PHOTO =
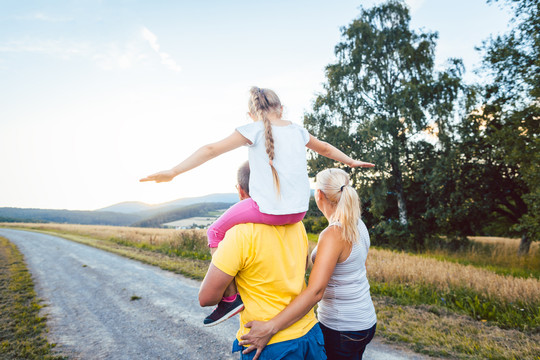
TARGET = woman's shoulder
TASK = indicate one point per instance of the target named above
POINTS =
(331, 233)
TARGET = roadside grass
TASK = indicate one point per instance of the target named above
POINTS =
(438, 307)
(22, 330)
(441, 333)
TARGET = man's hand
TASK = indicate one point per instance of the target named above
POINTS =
(162, 176)
(260, 334)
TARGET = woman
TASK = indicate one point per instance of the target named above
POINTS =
(338, 278)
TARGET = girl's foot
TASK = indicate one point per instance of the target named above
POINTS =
(224, 310)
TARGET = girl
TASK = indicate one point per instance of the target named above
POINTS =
(279, 185)
(338, 278)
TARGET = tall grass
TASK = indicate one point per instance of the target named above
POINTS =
(499, 255)
(508, 301)
(183, 243)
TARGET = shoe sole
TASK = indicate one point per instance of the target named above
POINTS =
(227, 316)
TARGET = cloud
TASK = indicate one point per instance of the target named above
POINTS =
(57, 48)
(166, 59)
(114, 57)
(44, 17)
(107, 56)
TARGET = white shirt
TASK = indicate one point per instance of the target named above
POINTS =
(289, 162)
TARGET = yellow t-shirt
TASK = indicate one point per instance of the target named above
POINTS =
(269, 263)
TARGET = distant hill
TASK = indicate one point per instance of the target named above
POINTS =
(129, 213)
(68, 216)
(128, 207)
(146, 210)
(181, 213)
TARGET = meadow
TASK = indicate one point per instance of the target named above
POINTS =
(478, 303)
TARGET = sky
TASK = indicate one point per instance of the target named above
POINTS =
(96, 94)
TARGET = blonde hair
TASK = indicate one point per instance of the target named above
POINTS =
(334, 183)
(261, 103)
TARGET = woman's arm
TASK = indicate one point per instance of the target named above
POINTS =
(199, 157)
(325, 149)
(329, 249)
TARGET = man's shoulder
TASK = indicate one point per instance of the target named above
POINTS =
(250, 227)
(250, 232)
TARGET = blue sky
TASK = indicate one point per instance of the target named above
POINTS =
(97, 94)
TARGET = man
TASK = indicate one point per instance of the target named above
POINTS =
(268, 263)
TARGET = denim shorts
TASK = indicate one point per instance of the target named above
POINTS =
(346, 345)
(307, 347)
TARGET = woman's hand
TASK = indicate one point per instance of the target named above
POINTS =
(260, 334)
(162, 176)
(356, 163)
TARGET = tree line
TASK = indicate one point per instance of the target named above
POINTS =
(453, 159)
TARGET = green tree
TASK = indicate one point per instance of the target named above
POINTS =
(380, 98)
(509, 120)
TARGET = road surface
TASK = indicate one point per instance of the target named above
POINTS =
(100, 305)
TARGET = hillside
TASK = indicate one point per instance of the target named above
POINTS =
(129, 213)
(147, 210)
(182, 213)
(68, 216)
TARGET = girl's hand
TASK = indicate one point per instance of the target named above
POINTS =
(260, 334)
(162, 176)
(356, 163)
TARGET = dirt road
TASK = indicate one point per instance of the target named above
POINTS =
(103, 306)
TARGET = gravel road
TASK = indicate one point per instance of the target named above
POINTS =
(92, 314)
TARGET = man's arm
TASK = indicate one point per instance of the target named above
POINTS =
(213, 286)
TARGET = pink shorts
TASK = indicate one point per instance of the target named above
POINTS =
(246, 211)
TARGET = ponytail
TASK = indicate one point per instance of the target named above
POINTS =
(261, 102)
(334, 183)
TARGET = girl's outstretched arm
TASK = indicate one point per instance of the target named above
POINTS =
(325, 149)
(199, 157)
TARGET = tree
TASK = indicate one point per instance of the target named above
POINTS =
(509, 120)
(380, 98)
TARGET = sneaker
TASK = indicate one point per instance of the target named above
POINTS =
(224, 310)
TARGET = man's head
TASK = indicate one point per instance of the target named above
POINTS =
(243, 181)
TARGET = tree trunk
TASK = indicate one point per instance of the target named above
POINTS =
(524, 245)
(402, 206)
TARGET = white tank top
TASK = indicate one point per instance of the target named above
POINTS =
(346, 304)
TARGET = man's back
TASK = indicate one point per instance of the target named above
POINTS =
(269, 264)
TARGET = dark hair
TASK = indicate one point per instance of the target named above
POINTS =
(243, 177)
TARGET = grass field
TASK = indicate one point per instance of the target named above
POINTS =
(22, 330)
(476, 304)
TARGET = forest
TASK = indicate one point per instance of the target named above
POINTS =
(453, 159)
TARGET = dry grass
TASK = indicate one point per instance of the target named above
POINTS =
(394, 267)
(150, 236)
(497, 254)
(511, 243)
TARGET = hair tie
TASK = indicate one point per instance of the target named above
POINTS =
(342, 186)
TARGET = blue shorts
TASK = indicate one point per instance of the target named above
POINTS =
(307, 347)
